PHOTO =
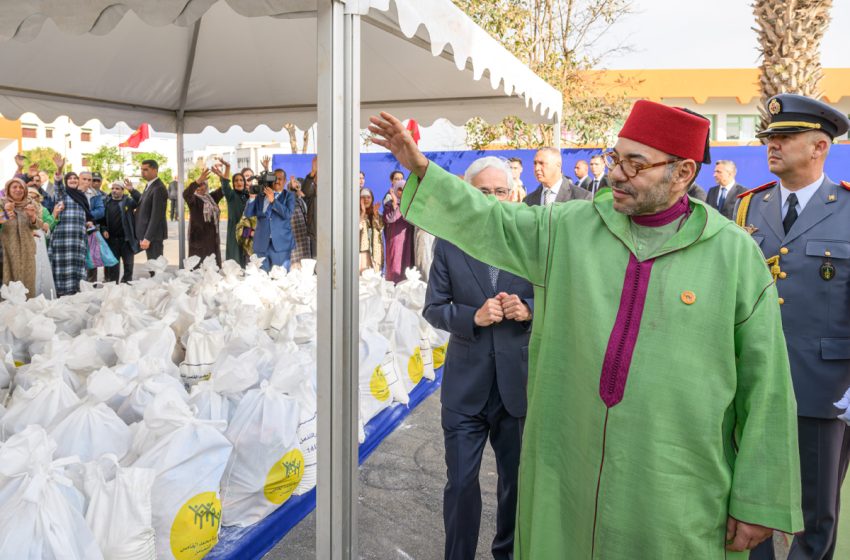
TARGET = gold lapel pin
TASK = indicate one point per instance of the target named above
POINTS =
(832, 198)
(766, 197)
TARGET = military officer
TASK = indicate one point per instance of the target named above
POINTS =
(802, 224)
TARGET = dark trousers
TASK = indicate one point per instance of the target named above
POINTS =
(124, 253)
(154, 250)
(173, 210)
(465, 437)
(824, 454)
(91, 275)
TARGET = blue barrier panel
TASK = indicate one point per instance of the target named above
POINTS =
(247, 543)
(750, 160)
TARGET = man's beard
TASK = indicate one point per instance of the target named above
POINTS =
(654, 200)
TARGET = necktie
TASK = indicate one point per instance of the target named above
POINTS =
(595, 186)
(791, 215)
(722, 198)
(494, 276)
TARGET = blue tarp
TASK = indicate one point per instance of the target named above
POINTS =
(247, 543)
(750, 160)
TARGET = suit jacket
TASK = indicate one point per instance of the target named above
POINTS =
(603, 183)
(126, 206)
(150, 216)
(568, 191)
(585, 183)
(274, 225)
(815, 311)
(477, 357)
(728, 209)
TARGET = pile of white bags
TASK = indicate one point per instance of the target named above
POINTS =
(138, 419)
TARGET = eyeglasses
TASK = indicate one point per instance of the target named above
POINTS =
(500, 192)
(630, 167)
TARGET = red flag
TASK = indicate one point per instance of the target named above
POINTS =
(142, 134)
(413, 127)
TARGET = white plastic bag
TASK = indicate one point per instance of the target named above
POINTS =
(46, 399)
(92, 429)
(266, 465)
(41, 515)
(307, 431)
(189, 462)
(119, 510)
(401, 327)
(375, 394)
(203, 343)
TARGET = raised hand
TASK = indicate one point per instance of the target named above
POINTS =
(265, 162)
(217, 170)
(202, 178)
(19, 161)
(33, 170)
(60, 163)
(128, 184)
(225, 164)
(389, 132)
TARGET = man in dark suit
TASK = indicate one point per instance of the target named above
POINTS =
(151, 226)
(119, 230)
(488, 313)
(724, 194)
(554, 187)
(599, 179)
(583, 178)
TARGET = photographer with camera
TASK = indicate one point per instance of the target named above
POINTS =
(273, 239)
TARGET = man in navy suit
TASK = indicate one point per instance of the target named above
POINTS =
(488, 313)
(273, 239)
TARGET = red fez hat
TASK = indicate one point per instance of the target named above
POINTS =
(672, 130)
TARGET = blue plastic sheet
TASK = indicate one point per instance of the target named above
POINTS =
(246, 543)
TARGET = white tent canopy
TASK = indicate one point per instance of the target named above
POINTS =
(223, 65)
(182, 65)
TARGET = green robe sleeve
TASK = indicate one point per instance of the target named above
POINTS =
(48, 218)
(766, 472)
(508, 235)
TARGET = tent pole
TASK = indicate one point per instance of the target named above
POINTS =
(556, 132)
(338, 50)
(181, 231)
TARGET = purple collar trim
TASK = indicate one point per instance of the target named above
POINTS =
(679, 209)
(623, 339)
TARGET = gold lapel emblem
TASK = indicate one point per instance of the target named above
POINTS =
(766, 197)
(751, 229)
(831, 198)
(774, 107)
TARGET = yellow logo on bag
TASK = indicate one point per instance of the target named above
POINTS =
(195, 528)
(284, 477)
(440, 356)
(378, 385)
(415, 369)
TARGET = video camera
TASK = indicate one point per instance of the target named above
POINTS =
(261, 181)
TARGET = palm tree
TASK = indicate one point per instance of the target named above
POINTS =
(790, 34)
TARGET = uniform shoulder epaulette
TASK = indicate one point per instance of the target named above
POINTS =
(846, 185)
(760, 188)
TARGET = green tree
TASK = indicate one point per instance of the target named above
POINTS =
(559, 40)
(44, 158)
(139, 157)
(108, 162)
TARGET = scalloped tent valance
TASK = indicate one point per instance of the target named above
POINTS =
(251, 62)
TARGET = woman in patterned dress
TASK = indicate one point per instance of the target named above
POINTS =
(68, 242)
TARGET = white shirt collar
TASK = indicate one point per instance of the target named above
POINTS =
(804, 195)
(727, 187)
